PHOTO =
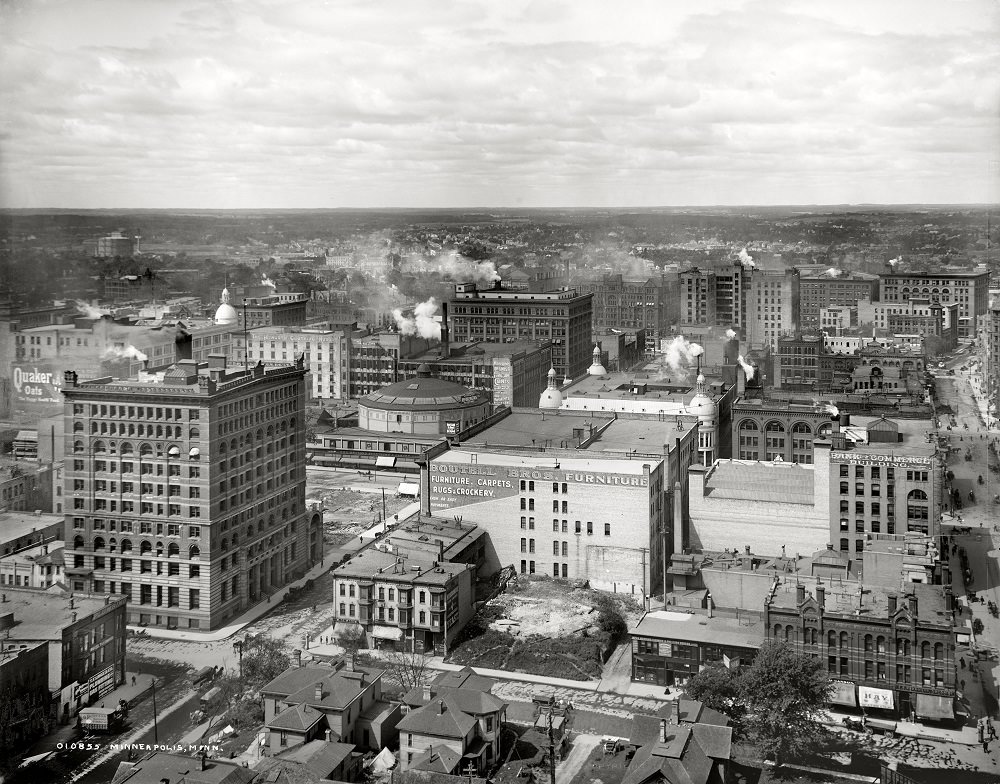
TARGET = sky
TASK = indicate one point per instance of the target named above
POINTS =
(497, 103)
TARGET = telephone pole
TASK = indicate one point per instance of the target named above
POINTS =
(552, 750)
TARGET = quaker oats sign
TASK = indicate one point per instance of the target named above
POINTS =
(36, 383)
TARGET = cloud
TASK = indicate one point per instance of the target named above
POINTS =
(349, 103)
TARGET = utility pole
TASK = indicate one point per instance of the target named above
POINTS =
(552, 748)
(155, 728)
(383, 504)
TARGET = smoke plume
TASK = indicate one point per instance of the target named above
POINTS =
(730, 334)
(748, 369)
(833, 272)
(747, 260)
(831, 409)
(680, 354)
(266, 281)
(895, 261)
(89, 311)
(457, 267)
(128, 352)
(422, 323)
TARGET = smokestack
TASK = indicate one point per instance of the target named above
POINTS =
(845, 419)
(445, 337)
(427, 693)
(440, 552)
(891, 598)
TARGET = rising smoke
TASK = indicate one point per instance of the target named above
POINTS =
(730, 334)
(266, 281)
(128, 352)
(833, 272)
(422, 323)
(89, 311)
(831, 409)
(680, 354)
(457, 267)
(895, 261)
(748, 369)
(747, 260)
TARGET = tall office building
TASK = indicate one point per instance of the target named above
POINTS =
(188, 490)
(821, 291)
(497, 315)
(713, 297)
(969, 289)
(772, 306)
(649, 304)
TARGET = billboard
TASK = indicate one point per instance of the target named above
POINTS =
(457, 484)
(36, 383)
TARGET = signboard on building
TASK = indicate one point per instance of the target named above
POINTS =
(879, 460)
(36, 383)
(869, 697)
(457, 484)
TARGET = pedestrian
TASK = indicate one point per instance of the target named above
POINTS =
(962, 662)
(133, 679)
(986, 746)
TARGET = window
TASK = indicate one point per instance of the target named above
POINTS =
(607, 529)
(531, 545)
(524, 545)
(590, 528)
(555, 548)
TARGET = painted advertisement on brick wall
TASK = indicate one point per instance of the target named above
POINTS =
(36, 383)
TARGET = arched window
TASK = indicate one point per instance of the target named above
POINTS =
(916, 495)
(233, 445)
(789, 633)
(78, 446)
(173, 551)
(831, 639)
(802, 427)
(77, 542)
(925, 650)
(222, 448)
(126, 545)
(844, 639)
(225, 545)
(145, 450)
(938, 650)
(145, 547)
(902, 646)
(78, 427)
(194, 552)
(880, 644)
(98, 542)
(100, 447)
(777, 631)
(126, 448)
(194, 433)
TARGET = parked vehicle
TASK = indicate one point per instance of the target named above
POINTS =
(102, 720)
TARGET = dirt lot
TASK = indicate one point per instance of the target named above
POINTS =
(349, 512)
(545, 627)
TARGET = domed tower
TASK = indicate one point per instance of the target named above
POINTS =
(707, 412)
(551, 397)
(226, 313)
(597, 369)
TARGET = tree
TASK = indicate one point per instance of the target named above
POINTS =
(610, 619)
(407, 669)
(784, 694)
(264, 660)
(718, 688)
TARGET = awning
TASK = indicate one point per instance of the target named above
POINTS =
(875, 698)
(326, 459)
(384, 461)
(408, 488)
(387, 632)
(843, 694)
(931, 706)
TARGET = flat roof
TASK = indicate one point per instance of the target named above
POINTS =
(14, 525)
(467, 352)
(590, 463)
(374, 563)
(374, 435)
(776, 482)
(690, 627)
(42, 615)
(847, 597)
(913, 431)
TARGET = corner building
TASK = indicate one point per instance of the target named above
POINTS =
(188, 490)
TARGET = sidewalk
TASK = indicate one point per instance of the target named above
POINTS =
(966, 736)
(236, 625)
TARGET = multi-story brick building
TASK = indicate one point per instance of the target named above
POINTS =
(969, 289)
(884, 650)
(820, 291)
(416, 590)
(649, 304)
(765, 429)
(563, 318)
(885, 478)
(772, 306)
(325, 355)
(85, 637)
(188, 490)
(712, 297)
(274, 310)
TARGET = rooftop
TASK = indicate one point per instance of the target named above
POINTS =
(14, 525)
(913, 437)
(690, 627)
(42, 615)
(441, 718)
(373, 563)
(422, 536)
(778, 482)
(463, 353)
(340, 686)
(186, 377)
(424, 392)
(585, 463)
(848, 597)
(160, 766)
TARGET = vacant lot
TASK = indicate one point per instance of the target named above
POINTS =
(545, 627)
(349, 512)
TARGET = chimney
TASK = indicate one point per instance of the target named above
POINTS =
(663, 730)
(800, 593)
(72, 602)
(427, 693)
(892, 604)
(319, 692)
(748, 549)
(945, 575)
(445, 337)
(202, 760)
(297, 658)
(913, 604)
(329, 736)
(845, 419)
(440, 707)
(107, 599)
(440, 552)
(3, 598)
(674, 711)
(829, 545)
(821, 596)
(949, 599)
(349, 662)
(72, 617)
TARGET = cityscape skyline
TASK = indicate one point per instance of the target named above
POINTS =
(258, 104)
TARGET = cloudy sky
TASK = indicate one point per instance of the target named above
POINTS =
(417, 103)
